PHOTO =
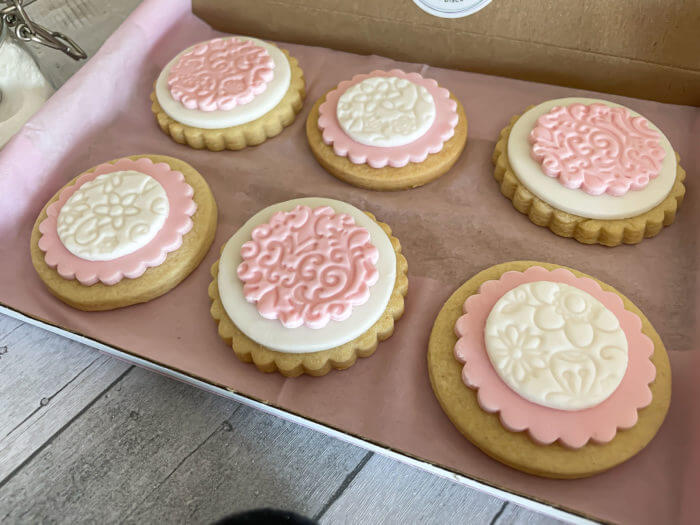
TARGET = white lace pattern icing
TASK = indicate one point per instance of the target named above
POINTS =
(113, 215)
(556, 345)
(385, 111)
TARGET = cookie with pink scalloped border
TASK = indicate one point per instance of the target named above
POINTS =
(132, 265)
(430, 142)
(546, 425)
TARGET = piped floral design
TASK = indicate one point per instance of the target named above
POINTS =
(117, 209)
(385, 111)
(113, 215)
(581, 347)
(518, 352)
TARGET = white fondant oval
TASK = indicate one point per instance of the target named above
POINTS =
(556, 345)
(241, 114)
(270, 332)
(576, 201)
(385, 111)
(113, 215)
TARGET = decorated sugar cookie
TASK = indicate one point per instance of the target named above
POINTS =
(124, 232)
(308, 285)
(228, 93)
(549, 370)
(387, 130)
(590, 169)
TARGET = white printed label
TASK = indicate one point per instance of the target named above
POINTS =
(451, 8)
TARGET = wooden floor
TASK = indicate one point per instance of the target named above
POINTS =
(87, 438)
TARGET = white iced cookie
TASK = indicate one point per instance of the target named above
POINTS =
(113, 215)
(556, 345)
(271, 333)
(262, 103)
(386, 111)
(575, 201)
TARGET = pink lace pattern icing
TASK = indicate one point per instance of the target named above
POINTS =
(133, 265)
(432, 141)
(546, 425)
(308, 266)
(597, 148)
(220, 74)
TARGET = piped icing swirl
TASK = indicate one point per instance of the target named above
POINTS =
(220, 74)
(597, 148)
(308, 266)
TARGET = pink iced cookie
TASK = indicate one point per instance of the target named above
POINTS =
(308, 266)
(444, 121)
(114, 216)
(220, 74)
(597, 148)
(546, 425)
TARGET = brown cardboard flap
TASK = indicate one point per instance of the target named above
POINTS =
(640, 48)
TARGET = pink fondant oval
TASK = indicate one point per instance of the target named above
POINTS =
(308, 266)
(597, 148)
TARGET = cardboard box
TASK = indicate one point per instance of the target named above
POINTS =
(639, 48)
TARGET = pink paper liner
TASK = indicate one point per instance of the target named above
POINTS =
(442, 130)
(133, 265)
(546, 425)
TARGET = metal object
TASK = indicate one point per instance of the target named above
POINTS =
(25, 29)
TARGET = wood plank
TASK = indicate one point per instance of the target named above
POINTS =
(35, 367)
(151, 448)
(7, 325)
(386, 491)
(52, 413)
(254, 460)
(112, 456)
(515, 514)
